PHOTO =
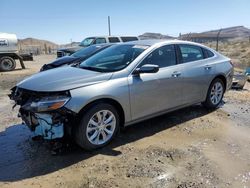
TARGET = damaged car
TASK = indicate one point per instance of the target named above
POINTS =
(120, 86)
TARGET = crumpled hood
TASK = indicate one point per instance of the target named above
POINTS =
(63, 78)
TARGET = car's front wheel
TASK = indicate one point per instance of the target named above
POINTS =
(215, 94)
(98, 126)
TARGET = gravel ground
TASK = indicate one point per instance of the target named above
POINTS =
(191, 147)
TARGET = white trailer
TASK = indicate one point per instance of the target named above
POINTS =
(9, 52)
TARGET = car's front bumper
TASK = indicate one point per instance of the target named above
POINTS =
(43, 124)
(48, 124)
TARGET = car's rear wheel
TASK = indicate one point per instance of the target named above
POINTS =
(7, 63)
(97, 127)
(215, 94)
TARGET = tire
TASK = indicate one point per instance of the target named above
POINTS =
(90, 126)
(213, 102)
(7, 63)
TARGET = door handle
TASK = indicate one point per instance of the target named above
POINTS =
(176, 74)
(208, 67)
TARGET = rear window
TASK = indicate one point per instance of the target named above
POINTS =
(114, 39)
(190, 53)
(127, 39)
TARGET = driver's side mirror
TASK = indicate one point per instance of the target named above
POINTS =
(148, 68)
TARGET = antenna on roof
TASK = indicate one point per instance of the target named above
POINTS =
(109, 25)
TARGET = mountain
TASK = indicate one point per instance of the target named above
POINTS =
(72, 44)
(36, 46)
(36, 42)
(148, 35)
(234, 32)
(237, 32)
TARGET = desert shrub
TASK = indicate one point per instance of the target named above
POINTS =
(234, 54)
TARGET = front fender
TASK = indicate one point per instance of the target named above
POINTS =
(116, 89)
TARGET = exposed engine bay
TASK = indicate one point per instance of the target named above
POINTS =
(43, 112)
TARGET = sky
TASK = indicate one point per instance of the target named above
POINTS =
(61, 21)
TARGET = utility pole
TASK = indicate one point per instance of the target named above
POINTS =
(217, 40)
(109, 25)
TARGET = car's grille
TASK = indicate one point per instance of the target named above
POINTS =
(60, 54)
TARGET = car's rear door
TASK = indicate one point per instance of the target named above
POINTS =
(155, 92)
(197, 72)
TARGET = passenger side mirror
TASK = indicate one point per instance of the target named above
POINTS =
(148, 68)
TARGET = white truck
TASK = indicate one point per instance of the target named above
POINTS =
(95, 40)
(9, 52)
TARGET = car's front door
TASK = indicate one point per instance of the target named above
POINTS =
(155, 92)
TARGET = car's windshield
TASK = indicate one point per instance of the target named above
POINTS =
(86, 51)
(87, 42)
(114, 58)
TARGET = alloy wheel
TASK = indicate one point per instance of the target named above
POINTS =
(216, 93)
(101, 127)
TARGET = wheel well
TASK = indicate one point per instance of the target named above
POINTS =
(224, 80)
(113, 102)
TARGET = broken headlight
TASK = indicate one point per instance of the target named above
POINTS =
(47, 103)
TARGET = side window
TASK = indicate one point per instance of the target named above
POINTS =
(100, 40)
(163, 57)
(190, 53)
(208, 53)
(114, 39)
(127, 39)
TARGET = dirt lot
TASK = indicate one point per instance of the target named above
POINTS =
(192, 147)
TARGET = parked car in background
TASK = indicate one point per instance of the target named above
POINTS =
(95, 40)
(76, 57)
(119, 86)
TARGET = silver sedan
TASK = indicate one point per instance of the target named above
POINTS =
(119, 86)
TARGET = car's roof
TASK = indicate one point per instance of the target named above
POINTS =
(105, 36)
(152, 42)
(146, 42)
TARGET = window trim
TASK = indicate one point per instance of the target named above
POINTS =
(178, 56)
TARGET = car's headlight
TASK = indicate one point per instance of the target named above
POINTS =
(49, 103)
